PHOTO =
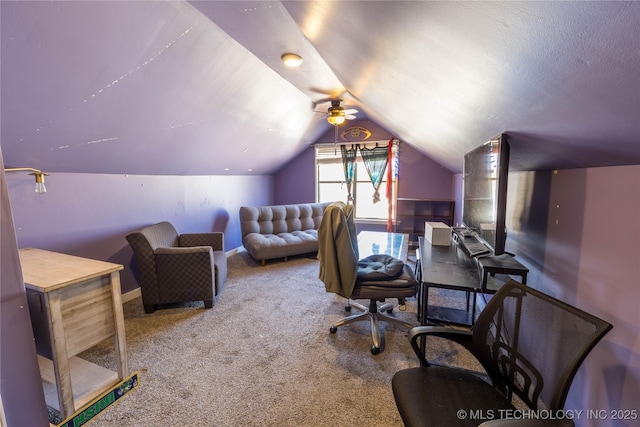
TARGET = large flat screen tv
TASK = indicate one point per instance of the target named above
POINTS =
(486, 170)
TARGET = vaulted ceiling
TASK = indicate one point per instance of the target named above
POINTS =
(190, 88)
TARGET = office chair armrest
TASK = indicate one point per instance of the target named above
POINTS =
(215, 239)
(459, 336)
(565, 422)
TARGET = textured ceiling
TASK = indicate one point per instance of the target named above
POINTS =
(190, 88)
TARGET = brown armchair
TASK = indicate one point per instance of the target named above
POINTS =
(178, 268)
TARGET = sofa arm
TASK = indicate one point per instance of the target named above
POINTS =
(214, 239)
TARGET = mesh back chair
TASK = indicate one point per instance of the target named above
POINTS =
(178, 268)
(529, 344)
(375, 277)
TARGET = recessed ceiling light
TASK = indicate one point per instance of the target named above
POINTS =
(291, 60)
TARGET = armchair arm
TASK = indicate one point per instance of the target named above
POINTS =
(215, 239)
(185, 272)
(459, 336)
(176, 258)
(175, 250)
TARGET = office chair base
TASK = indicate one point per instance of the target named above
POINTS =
(388, 307)
(373, 313)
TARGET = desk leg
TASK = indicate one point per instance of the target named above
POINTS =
(424, 303)
(424, 297)
(485, 279)
(60, 360)
(118, 320)
(473, 309)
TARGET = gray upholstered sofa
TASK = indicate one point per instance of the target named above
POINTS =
(279, 231)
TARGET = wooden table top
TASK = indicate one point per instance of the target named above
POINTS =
(48, 271)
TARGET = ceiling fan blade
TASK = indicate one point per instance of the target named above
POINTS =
(350, 117)
(352, 95)
(350, 111)
(321, 101)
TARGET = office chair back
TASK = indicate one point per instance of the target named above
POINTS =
(534, 344)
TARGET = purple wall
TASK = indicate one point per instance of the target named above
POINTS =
(592, 260)
(19, 373)
(577, 232)
(422, 178)
(90, 214)
(419, 176)
(295, 182)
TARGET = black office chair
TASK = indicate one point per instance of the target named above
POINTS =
(529, 344)
(375, 277)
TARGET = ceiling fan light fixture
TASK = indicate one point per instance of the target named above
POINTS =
(291, 60)
(336, 120)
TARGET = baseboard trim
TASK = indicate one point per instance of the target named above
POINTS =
(235, 251)
(131, 295)
(137, 292)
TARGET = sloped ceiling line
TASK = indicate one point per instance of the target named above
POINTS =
(209, 95)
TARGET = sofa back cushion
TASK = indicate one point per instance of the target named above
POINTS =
(281, 218)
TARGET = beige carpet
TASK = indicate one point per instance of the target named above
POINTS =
(262, 356)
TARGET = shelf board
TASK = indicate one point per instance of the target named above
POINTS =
(450, 315)
(88, 381)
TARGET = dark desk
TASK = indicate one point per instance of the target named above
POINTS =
(446, 267)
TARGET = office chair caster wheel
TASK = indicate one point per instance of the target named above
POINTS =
(347, 308)
(390, 311)
(375, 350)
(333, 329)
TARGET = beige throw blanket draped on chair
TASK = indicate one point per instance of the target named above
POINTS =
(336, 238)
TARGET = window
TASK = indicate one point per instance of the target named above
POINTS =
(331, 185)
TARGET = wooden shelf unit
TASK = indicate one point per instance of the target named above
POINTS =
(75, 303)
(411, 214)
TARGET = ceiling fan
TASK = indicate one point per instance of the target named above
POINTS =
(336, 114)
